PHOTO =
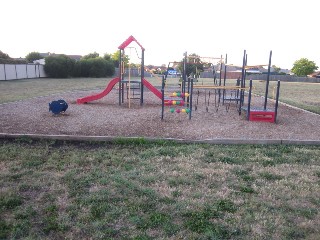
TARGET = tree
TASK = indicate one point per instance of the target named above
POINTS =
(193, 65)
(115, 59)
(4, 55)
(6, 59)
(107, 57)
(276, 69)
(303, 67)
(91, 55)
(33, 56)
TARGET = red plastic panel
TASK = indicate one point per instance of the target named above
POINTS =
(128, 41)
(262, 116)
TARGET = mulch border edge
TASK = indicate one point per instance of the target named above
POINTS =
(226, 141)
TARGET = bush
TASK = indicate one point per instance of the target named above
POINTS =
(110, 69)
(77, 69)
(59, 66)
(96, 67)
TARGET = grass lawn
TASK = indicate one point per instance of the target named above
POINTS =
(138, 190)
(302, 95)
(15, 90)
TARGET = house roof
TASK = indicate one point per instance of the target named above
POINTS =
(314, 74)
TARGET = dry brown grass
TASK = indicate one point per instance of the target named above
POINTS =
(161, 190)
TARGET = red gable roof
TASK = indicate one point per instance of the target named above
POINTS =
(128, 41)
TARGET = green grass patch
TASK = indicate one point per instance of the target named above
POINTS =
(246, 189)
(206, 221)
(270, 177)
(5, 229)
(10, 200)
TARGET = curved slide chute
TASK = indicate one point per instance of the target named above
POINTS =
(99, 95)
(152, 88)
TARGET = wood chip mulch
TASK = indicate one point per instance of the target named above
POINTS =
(106, 118)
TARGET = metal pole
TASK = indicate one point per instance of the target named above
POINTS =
(220, 71)
(184, 77)
(277, 101)
(190, 99)
(142, 76)
(242, 80)
(267, 83)
(120, 75)
(129, 78)
(224, 79)
(122, 83)
(249, 100)
(220, 78)
(188, 90)
(162, 97)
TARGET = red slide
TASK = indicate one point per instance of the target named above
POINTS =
(99, 95)
(152, 88)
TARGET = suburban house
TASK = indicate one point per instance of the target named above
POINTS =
(315, 74)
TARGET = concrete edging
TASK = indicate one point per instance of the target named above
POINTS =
(226, 141)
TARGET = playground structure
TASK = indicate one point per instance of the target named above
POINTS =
(226, 94)
(125, 84)
(217, 88)
(263, 114)
(179, 101)
(223, 94)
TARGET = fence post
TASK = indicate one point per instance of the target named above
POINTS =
(5, 74)
(15, 68)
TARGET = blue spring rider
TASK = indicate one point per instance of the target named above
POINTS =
(58, 106)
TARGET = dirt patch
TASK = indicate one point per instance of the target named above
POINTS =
(106, 118)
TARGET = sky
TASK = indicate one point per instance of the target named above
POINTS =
(165, 28)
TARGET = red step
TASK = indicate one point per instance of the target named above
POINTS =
(262, 116)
